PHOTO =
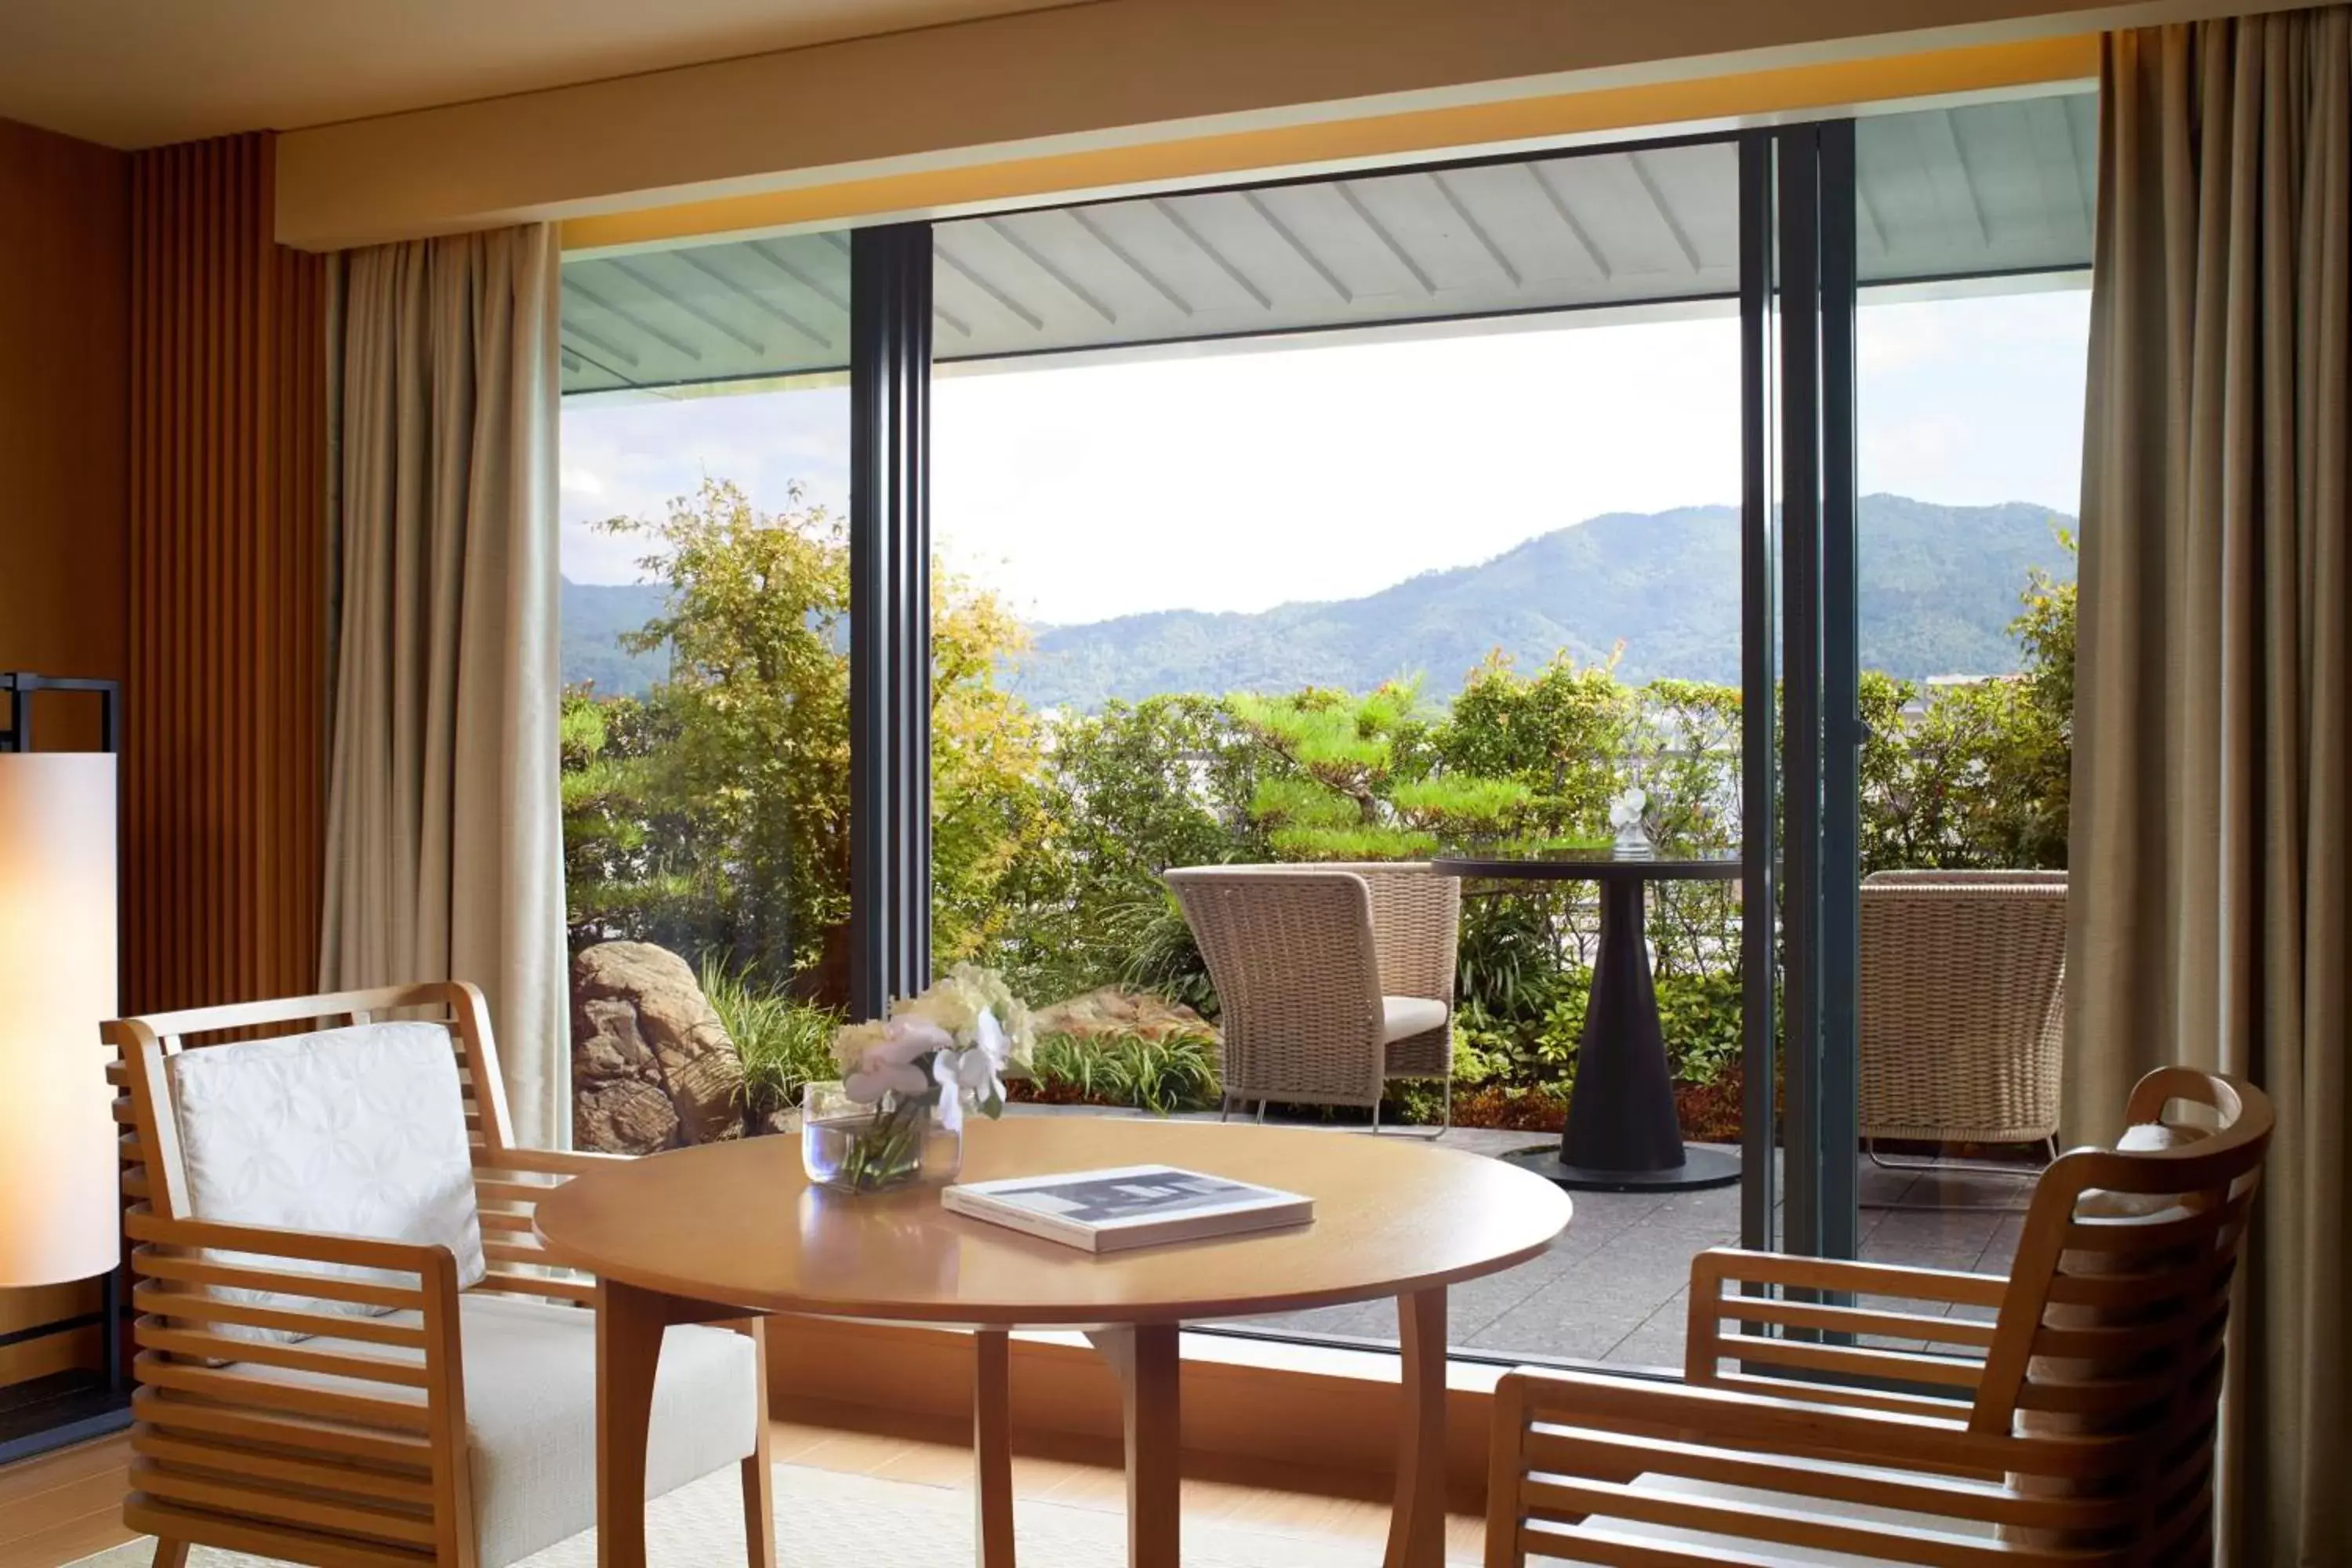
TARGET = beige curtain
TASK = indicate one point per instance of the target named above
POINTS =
(445, 840)
(2214, 692)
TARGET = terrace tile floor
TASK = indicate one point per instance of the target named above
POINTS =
(1615, 1287)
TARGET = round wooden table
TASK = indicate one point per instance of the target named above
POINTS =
(1622, 1134)
(719, 1232)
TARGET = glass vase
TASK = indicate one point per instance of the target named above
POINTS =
(856, 1146)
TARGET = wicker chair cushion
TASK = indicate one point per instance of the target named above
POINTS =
(1401, 1017)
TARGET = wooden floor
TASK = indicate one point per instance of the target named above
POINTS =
(64, 1506)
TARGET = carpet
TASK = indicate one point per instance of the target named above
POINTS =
(826, 1519)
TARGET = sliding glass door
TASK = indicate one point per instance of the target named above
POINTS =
(1374, 516)
(1973, 227)
(706, 652)
(1814, 237)
(1933, 334)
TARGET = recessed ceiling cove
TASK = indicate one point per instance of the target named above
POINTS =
(139, 73)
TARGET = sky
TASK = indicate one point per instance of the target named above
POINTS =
(1238, 481)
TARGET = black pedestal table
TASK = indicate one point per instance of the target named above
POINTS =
(1621, 1135)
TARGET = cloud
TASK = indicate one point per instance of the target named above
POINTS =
(1237, 482)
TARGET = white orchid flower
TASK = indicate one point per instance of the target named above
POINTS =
(959, 1072)
(989, 1037)
(892, 1064)
(960, 1035)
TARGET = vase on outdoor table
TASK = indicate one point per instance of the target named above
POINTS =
(895, 1119)
(1633, 841)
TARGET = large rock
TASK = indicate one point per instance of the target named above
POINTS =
(652, 1066)
(1116, 1010)
(623, 1117)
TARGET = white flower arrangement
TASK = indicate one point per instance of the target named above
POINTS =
(953, 1043)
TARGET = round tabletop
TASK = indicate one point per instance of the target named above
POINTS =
(739, 1225)
(1587, 866)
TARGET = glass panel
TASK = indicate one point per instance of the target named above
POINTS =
(1358, 585)
(1493, 239)
(705, 661)
(1976, 191)
(1969, 410)
(716, 315)
(1762, 960)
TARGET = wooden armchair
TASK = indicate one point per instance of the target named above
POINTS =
(1332, 980)
(351, 1352)
(2070, 1420)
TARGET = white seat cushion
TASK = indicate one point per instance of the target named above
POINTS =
(1401, 1017)
(1957, 1535)
(354, 1131)
(531, 1413)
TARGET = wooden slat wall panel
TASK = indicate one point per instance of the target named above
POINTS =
(224, 746)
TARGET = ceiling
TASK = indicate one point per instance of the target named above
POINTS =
(1978, 191)
(139, 73)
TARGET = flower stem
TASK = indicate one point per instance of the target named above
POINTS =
(889, 1150)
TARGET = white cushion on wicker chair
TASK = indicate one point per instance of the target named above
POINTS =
(531, 1413)
(1402, 1017)
(352, 1132)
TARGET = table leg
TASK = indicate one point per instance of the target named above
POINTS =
(630, 1323)
(1146, 1359)
(1417, 1522)
(992, 1448)
(758, 1469)
(1620, 1114)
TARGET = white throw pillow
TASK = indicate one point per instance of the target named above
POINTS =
(2141, 1138)
(353, 1132)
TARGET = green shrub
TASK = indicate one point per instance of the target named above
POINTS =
(784, 1042)
(1700, 1013)
(1163, 1076)
(1507, 959)
(1078, 1069)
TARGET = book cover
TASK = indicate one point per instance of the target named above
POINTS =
(1128, 1205)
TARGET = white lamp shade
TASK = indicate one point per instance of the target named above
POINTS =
(59, 1206)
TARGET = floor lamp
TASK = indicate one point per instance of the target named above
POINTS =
(60, 1204)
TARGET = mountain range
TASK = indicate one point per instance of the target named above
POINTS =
(1940, 587)
(594, 615)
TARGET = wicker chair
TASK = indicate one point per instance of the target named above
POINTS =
(2065, 1415)
(1962, 1006)
(1333, 979)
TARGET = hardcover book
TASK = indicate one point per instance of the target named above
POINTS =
(1128, 1205)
